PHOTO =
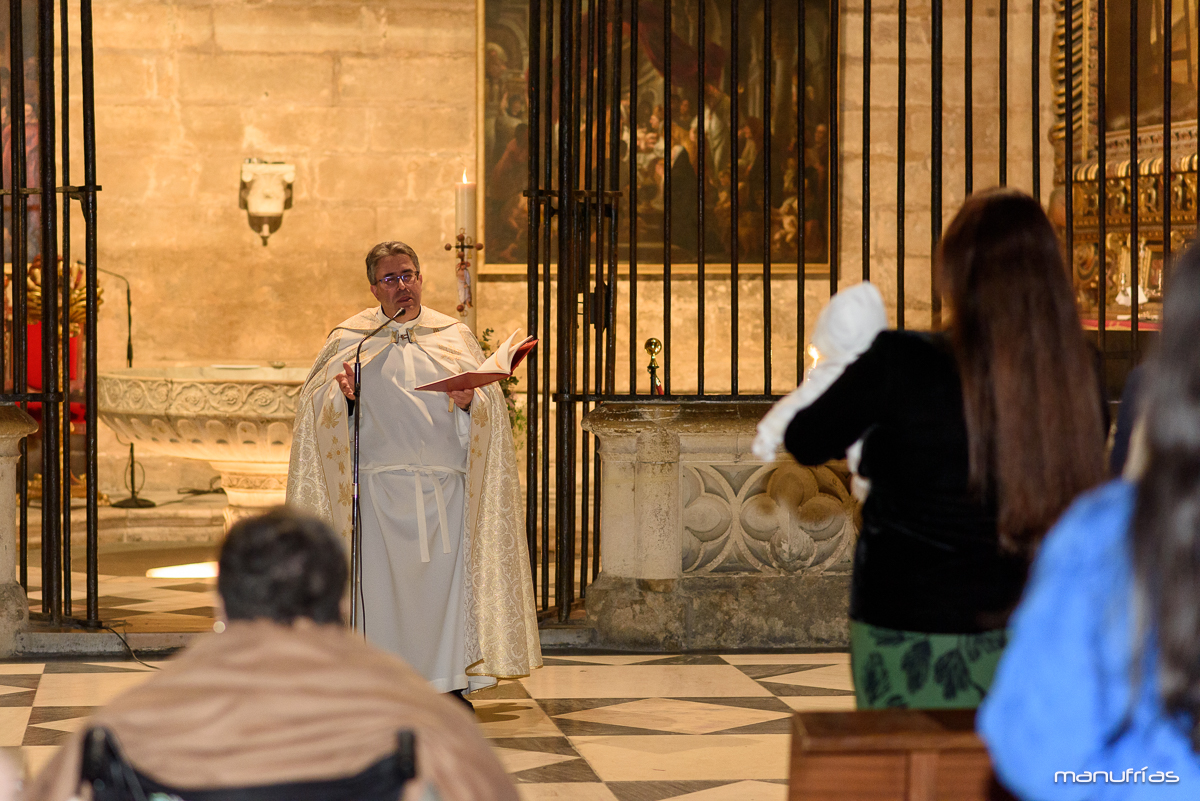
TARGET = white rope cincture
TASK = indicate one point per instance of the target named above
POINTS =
(431, 472)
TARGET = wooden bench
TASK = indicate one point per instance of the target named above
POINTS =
(890, 755)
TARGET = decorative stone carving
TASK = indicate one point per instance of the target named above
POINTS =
(239, 420)
(780, 518)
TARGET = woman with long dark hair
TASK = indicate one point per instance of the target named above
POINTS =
(1101, 683)
(976, 439)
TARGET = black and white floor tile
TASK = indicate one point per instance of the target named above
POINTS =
(585, 728)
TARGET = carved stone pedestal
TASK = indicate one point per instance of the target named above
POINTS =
(703, 546)
(15, 425)
(251, 487)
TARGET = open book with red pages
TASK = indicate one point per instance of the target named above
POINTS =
(499, 365)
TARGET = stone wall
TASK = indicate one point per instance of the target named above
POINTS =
(986, 129)
(375, 104)
(373, 101)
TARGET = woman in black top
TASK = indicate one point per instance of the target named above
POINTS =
(975, 440)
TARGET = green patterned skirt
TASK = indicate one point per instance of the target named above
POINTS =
(915, 670)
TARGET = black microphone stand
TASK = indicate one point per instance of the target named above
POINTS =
(133, 501)
(356, 595)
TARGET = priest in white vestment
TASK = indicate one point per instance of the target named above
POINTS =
(446, 583)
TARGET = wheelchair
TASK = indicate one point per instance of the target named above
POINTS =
(111, 777)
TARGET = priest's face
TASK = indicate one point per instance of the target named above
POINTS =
(398, 286)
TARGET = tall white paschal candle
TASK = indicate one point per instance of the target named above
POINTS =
(464, 223)
(464, 208)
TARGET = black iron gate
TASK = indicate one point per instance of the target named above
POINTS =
(49, 292)
(670, 169)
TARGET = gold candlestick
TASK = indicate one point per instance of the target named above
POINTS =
(654, 347)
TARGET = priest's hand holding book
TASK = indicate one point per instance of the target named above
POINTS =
(500, 365)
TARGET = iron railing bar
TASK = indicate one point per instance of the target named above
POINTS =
(577, 273)
(768, 87)
(20, 258)
(532, 256)
(545, 444)
(1166, 135)
(832, 158)
(91, 379)
(968, 95)
(1068, 45)
(768, 70)
(589, 106)
(68, 191)
(935, 186)
(584, 265)
(1102, 178)
(701, 174)
(51, 481)
(603, 102)
(901, 134)
(568, 259)
(801, 183)
(5, 222)
(866, 143)
(64, 82)
(675, 399)
(1035, 98)
(1135, 249)
(734, 151)
(614, 205)
(667, 123)
(1004, 91)
(548, 180)
(633, 195)
(32, 397)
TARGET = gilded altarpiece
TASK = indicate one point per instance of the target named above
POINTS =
(1123, 137)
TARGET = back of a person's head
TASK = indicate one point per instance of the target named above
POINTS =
(1031, 395)
(281, 566)
(1166, 527)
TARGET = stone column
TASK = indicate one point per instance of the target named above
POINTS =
(641, 492)
(15, 425)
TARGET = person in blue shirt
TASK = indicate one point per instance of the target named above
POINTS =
(1098, 694)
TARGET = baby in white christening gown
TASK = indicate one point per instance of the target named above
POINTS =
(845, 329)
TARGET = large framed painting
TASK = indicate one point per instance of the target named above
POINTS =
(762, 76)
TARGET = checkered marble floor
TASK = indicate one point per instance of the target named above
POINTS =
(141, 605)
(584, 727)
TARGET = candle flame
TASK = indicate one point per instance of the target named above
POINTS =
(814, 354)
(464, 180)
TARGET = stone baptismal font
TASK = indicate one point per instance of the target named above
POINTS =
(237, 418)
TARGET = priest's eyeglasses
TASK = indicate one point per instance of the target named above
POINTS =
(393, 281)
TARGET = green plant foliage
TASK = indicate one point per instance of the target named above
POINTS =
(516, 415)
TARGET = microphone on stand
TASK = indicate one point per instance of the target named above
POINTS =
(356, 595)
(133, 501)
